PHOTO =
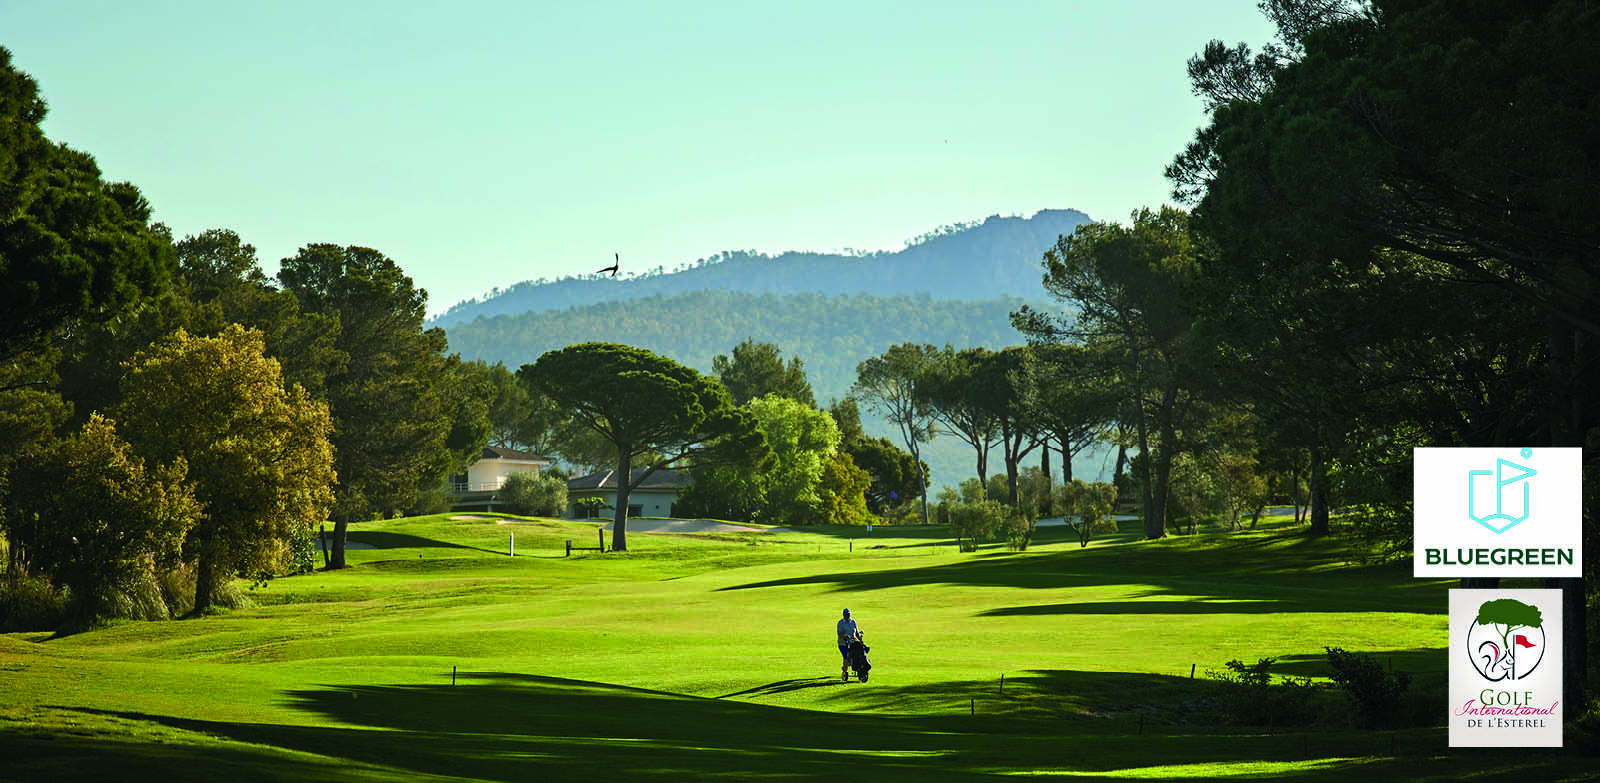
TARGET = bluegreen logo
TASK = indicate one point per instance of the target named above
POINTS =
(1492, 497)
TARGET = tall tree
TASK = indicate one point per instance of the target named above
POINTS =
(1002, 391)
(757, 370)
(1446, 143)
(1130, 290)
(1072, 392)
(953, 391)
(646, 405)
(72, 247)
(258, 454)
(888, 386)
(392, 395)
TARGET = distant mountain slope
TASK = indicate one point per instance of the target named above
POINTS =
(996, 258)
(831, 334)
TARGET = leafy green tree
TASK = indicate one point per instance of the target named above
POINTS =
(72, 247)
(801, 440)
(756, 370)
(847, 415)
(888, 386)
(94, 518)
(842, 492)
(643, 403)
(394, 397)
(258, 455)
(222, 277)
(535, 495)
(1091, 504)
(30, 411)
(518, 418)
(895, 475)
(788, 487)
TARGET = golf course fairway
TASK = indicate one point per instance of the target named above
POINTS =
(438, 656)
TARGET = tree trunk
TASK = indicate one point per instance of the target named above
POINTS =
(1066, 462)
(204, 582)
(1044, 467)
(341, 527)
(1319, 492)
(619, 517)
(983, 470)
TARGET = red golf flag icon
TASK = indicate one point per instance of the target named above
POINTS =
(1522, 641)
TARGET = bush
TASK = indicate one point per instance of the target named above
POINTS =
(533, 495)
(1092, 504)
(1375, 692)
(1246, 695)
(303, 551)
(31, 603)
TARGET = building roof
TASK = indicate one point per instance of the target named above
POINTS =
(498, 452)
(607, 479)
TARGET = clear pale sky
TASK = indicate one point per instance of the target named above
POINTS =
(483, 143)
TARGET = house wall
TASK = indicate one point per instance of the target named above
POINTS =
(492, 473)
(655, 502)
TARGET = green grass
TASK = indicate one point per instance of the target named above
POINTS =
(696, 656)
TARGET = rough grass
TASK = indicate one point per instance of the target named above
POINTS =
(711, 655)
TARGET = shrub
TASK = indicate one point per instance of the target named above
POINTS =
(1246, 695)
(1375, 692)
(1092, 504)
(532, 495)
(31, 603)
(303, 550)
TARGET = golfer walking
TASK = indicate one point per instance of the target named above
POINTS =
(847, 632)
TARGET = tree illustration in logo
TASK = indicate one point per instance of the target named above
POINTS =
(1503, 617)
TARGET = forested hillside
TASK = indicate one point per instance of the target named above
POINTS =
(830, 334)
(996, 258)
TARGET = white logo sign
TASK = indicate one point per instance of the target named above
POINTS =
(1498, 512)
(1505, 668)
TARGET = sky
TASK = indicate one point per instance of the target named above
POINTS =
(479, 144)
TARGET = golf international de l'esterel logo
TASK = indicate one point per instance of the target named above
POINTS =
(1498, 512)
(1505, 668)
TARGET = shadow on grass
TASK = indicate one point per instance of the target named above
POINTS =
(378, 539)
(1279, 571)
(785, 686)
(498, 726)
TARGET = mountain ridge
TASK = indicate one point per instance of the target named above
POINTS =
(996, 258)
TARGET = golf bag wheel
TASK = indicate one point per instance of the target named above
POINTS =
(861, 676)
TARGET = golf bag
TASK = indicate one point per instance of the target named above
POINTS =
(858, 659)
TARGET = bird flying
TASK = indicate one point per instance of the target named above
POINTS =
(613, 268)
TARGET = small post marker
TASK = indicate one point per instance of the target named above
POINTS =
(602, 540)
(1191, 671)
(852, 545)
(513, 544)
(974, 706)
(1002, 685)
(569, 547)
(452, 675)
